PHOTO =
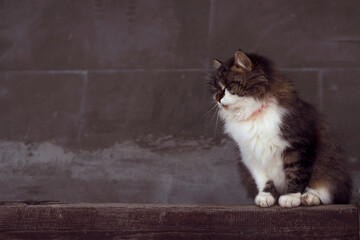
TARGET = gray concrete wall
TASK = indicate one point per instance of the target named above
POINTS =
(105, 101)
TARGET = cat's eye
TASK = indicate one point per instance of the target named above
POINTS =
(218, 89)
(218, 86)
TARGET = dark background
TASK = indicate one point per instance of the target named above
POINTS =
(106, 101)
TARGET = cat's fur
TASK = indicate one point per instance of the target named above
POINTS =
(285, 144)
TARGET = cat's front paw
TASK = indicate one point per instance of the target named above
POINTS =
(265, 199)
(290, 200)
(310, 199)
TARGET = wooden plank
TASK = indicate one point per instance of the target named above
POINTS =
(156, 221)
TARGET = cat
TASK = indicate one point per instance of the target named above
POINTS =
(289, 150)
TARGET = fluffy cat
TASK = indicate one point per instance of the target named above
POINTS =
(288, 148)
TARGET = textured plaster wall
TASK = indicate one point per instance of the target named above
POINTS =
(106, 101)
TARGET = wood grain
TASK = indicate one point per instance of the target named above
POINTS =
(157, 221)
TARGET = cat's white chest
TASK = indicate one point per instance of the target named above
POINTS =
(261, 144)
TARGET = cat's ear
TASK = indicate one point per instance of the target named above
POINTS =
(242, 61)
(217, 63)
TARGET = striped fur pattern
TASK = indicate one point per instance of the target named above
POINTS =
(290, 152)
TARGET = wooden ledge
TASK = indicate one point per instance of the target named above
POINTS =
(48, 220)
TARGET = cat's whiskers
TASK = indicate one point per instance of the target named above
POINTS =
(208, 112)
(215, 114)
(277, 133)
(217, 118)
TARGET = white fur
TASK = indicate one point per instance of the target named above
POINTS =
(310, 199)
(228, 99)
(240, 107)
(264, 199)
(290, 200)
(258, 137)
(323, 193)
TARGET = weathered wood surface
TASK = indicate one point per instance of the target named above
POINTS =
(152, 221)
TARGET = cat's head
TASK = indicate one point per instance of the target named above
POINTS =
(241, 85)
